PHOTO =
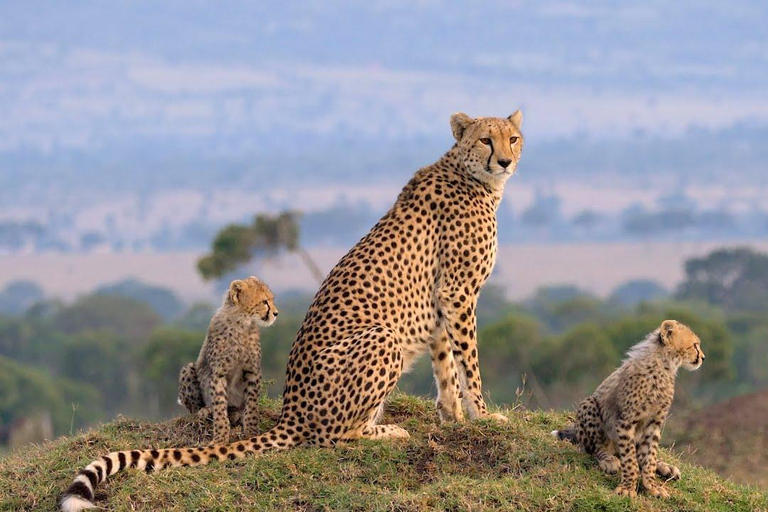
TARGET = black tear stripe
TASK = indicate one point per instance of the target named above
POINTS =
(121, 459)
(488, 163)
(108, 462)
(91, 477)
(80, 489)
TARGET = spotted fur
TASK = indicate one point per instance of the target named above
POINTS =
(226, 378)
(620, 424)
(409, 286)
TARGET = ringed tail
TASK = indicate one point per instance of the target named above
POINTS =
(568, 434)
(79, 495)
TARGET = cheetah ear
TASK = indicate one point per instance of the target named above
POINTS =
(459, 123)
(665, 331)
(516, 119)
(235, 287)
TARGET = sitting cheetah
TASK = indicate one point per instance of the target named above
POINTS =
(227, 374)
(625, 414)
(409, 286)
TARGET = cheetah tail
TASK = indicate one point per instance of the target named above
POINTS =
(568, 434)
(79, 495)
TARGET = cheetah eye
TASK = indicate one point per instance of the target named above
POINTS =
(513, 140)
(486, 141)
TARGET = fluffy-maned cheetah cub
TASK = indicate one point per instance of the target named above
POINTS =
(625, 414)
(227, 374)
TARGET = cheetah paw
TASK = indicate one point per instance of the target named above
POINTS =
(449, 413)
(396, 432)
(667, 471)
(610, 466)
(496, 416)
(626, 491)
(658, 491)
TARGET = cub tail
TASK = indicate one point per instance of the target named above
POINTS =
(79, 495)
(568, 434)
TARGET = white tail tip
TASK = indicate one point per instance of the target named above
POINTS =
(75, 504)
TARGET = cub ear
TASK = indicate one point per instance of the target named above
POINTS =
(666, 330)
(235, 287)
(459, 123)
(516, 119)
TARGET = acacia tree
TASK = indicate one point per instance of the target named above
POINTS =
(736, 279)
(266, 236)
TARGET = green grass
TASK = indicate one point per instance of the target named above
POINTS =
(471, 466)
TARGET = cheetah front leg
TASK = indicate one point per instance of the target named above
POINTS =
(250, 414)
(628, 458)
(646, 457)
(449, 394)
(461, 327)
(219, 406)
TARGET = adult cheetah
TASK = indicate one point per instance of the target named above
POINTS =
(410, 285)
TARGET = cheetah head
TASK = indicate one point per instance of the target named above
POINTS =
(681, 344)
(255, 298)
(489, 147)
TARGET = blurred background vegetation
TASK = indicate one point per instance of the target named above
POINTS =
(118, 350)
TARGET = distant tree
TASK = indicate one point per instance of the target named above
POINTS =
(198, 317)
(267, 235)
(735, 279)
(18, 296)
(571, 365)
(162, 300)
(276, 344)
(544, 210)
(492, 305)
(628, 331)
(508, 351)
(753, 357)
(587, 220)
(561, 307)
(100, 359)
(26, 390)
(162, 358)
(125, 317)
(636, 291)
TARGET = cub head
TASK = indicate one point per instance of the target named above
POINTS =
(254, 298)
(682, 344)
(489, 147)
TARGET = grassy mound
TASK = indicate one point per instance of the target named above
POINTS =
(470, 466)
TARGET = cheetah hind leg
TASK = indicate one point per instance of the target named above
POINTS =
(377, 377)
(190, 395)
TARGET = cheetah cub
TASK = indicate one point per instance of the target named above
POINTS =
(624, 416)
(227, 374)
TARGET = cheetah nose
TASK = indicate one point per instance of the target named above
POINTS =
(505, 163)
(275, 313)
